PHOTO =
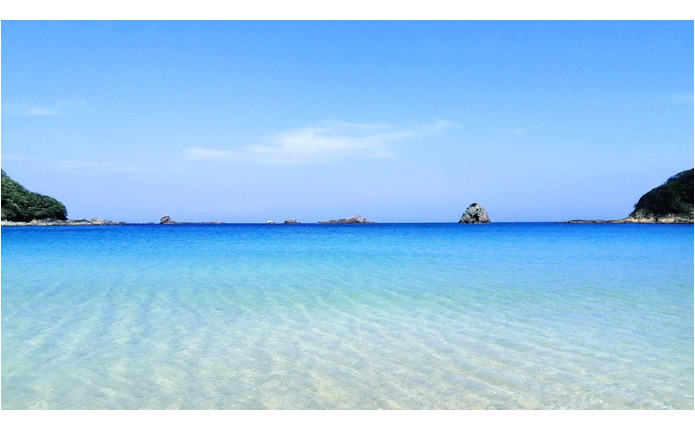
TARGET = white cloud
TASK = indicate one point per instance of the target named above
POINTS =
(40, 111)
(79, 164)
(13, 157)
(62, 107)
(686, 98)
(440, 125)
(357, 125)
(211, 154)
(524, 130)
(325, 143)
(82, 166)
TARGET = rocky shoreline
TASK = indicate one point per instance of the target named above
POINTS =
(53, 222)
(629, 220)
(353, 220)
(669, 203)
(165, 220)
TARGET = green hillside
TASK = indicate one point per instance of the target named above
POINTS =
(20, 204)
(672, 199)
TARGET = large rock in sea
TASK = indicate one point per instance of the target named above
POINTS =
(475, 214)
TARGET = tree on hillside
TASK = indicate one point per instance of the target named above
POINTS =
(20, 204)
(673, 197)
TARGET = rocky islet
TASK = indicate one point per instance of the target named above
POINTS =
(475, 214)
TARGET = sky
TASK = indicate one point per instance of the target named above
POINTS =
(397, 121)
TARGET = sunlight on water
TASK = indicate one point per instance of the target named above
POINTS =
(409, 316)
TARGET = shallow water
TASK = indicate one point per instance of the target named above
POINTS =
(383, 316)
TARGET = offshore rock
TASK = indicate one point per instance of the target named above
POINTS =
(475, 214)
(166, 219)
(357, 219)
(291, 221)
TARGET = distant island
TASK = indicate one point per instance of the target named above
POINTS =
(287, 221)
(357, 219)
(669, 203)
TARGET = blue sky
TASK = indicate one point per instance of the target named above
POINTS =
(399, 121)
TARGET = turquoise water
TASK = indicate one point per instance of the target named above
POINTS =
(383, 316)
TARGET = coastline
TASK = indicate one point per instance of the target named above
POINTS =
(54, 222)
(165, 220)
(665, 220)
(82, 222)
(354, 220)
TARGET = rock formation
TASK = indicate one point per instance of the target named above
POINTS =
(287, 221)
(357, 219)
(166, 220)
(475, 214)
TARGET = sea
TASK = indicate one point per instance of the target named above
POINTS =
(372, 316)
